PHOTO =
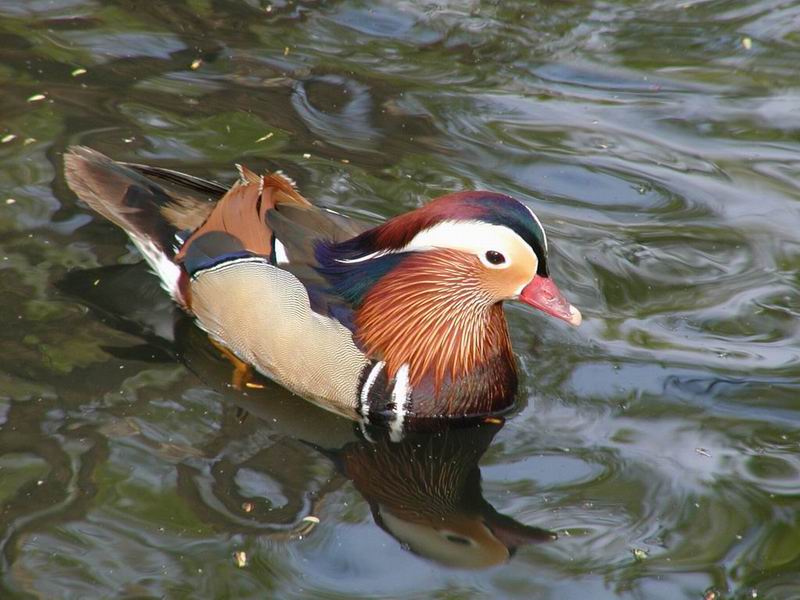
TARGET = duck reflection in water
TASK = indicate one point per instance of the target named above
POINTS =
(424, 489)
(426, 492)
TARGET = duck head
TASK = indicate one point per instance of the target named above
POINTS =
(495, 237)
(428, 286)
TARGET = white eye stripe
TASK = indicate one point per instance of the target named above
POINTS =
(476, 237)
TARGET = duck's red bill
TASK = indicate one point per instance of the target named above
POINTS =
(542, 293)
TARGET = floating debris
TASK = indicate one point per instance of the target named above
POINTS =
(747, 43)
(78, 71)
(306, 155)
(493, 421)
(711, 595)
(10, 201)
(265, 137)
(639, 554)
(345, 161)
(248, 507)
(703, 452)
(286, 51)
(10, 137)
(268, 8)
(37, 98)
(241, 558)
(28, 141)
(307, 525)
(196, 64)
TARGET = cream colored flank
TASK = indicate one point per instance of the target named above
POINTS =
(263, 314)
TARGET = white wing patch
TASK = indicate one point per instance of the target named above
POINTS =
(476, 237)
(281, 258)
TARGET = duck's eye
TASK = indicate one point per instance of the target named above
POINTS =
(495, 258)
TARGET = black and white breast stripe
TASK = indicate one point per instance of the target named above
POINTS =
(382, 402)
(224, 262)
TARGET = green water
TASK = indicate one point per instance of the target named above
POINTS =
(659, 142)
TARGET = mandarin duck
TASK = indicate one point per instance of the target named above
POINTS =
(378, 323)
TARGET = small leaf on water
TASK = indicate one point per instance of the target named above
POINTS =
(309, 523)
(639, 554)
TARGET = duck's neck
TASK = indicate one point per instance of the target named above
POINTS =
(432, 320)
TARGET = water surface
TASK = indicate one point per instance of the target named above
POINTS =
(659, 141)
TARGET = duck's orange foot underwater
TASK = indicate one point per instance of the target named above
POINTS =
(243, 376)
